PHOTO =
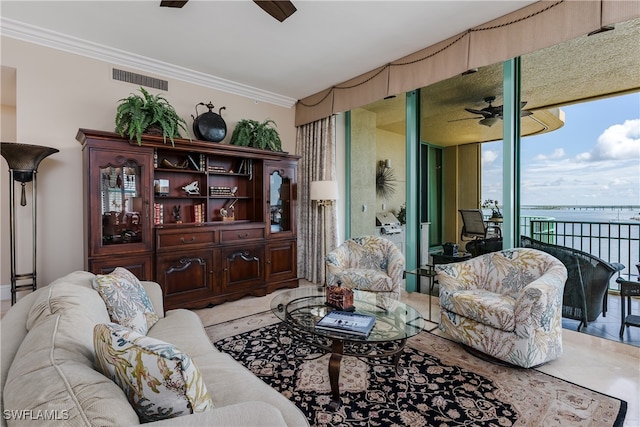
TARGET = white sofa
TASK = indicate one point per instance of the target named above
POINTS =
(49, 374)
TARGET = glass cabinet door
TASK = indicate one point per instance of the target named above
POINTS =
(279, 196)
(280, 189)
(119, 199)
(121, 208)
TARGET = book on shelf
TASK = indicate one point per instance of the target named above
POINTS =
(347, 322)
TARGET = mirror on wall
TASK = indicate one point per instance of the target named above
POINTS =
(279, 212)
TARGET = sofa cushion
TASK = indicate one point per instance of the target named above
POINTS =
(126, 300)
(54, 367)
(159, 380)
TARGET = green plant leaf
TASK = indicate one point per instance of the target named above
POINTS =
(136, 113)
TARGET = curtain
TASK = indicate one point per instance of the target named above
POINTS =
(316, 144)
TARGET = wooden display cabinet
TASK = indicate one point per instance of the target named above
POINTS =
(209, 222)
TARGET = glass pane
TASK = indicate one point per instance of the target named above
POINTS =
(280, 187)
(121, 204)
(378, 165)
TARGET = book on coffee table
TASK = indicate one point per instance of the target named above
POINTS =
(347, 322)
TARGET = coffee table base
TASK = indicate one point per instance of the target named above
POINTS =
(355, 348)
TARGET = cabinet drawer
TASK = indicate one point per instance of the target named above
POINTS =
(241, 234)
(184, 239)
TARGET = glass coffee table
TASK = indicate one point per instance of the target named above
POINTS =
(300, 309)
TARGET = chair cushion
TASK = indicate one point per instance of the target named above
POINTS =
(484, 307)
(159, 380)
(126, 299)
(365, 279)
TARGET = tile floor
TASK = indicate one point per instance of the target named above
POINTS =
(608, 365)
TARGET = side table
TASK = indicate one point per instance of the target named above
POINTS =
(428, 272)
(628, 288)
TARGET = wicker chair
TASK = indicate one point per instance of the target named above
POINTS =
(367, 263)
(585, 293)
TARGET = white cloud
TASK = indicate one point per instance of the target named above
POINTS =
(616, 142)
(558, 153)
(488, 157)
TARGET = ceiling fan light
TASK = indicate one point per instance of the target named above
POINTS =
(489, 121)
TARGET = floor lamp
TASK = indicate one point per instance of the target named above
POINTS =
(324, 193)
(23, 161)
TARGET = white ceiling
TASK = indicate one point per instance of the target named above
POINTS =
(237, 46)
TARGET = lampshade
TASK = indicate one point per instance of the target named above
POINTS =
(324, 190)
(24, 159)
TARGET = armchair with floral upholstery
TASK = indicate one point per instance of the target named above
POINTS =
(505, 304)
(368, 263)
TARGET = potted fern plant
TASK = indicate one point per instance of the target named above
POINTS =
(146, 113)
(251, 133)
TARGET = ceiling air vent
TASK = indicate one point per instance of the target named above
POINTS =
(139, 79)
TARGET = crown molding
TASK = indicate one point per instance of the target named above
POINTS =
(37, 35)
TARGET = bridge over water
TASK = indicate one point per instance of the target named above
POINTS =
(635, 208)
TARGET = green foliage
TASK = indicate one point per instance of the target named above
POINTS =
(402, 214)
(251, 133)
(135, 114)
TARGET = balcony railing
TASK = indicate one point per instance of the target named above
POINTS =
(611, 241)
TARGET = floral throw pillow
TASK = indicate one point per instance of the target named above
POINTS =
(159, 380)
(127, 302)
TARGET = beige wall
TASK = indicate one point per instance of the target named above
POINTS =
(363, 172)
(390, 145)
(57, 93)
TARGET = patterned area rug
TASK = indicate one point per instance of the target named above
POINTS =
(437, 384)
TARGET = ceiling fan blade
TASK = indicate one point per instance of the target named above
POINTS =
(481, 112)
(525, 113)
(170, 3)
(466, 118)
(279, 9)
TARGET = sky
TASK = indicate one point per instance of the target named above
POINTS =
(594, 159)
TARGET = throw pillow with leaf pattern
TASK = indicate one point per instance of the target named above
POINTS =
(159, 380)
(126, 299)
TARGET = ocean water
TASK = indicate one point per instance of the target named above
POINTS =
(588, 215)
(612, 234)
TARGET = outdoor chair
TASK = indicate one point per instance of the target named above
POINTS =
(505, 304)
(475, 227)
(586, 290)
(367, 263)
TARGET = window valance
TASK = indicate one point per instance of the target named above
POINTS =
(539, 25)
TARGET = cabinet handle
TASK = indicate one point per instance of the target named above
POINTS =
(193, 239)
(243, 236)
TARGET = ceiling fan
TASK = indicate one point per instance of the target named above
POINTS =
(492, 114)
(279, 9)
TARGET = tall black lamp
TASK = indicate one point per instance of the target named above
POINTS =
(23, 161)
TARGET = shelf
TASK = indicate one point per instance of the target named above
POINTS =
(229, 174)
(158, 198)
(179, 170)
(228, 196)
